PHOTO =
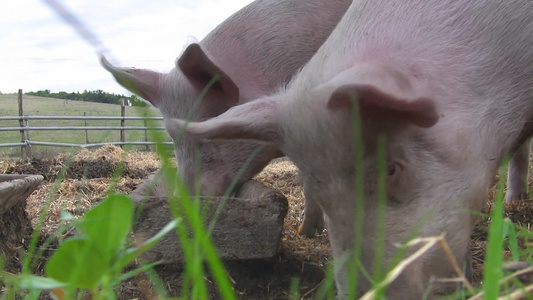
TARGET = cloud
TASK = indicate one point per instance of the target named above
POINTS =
(39, 51)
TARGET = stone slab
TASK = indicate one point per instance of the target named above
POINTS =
(249, 225)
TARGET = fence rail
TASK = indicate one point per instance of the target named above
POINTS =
(26, 117)
(26, 143)
(47, 128)
(30, 143)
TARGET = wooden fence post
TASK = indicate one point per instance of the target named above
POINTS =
(28, 147)
(146, 132)
(86, 131)
(21, 123)
(122, 114)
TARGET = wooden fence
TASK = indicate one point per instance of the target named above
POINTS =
(25, 129)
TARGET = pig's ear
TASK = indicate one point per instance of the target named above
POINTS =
(200, 70)
(256, 120)
(384, 94)
(144, 83)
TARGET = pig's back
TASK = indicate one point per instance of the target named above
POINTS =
(262, 46)
(473, 44)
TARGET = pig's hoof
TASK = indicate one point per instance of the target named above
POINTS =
(309, 228)
(308, 231)
(515, 196)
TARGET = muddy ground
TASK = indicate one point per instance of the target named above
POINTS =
(88, 179)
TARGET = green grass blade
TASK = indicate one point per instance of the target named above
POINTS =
(327, 289)
(157, 284)
(379, 253)
(294, 293)
(512, 242)
(230, 188)
(137, 271)
(358, 152)
(494, 258)
(132, 253)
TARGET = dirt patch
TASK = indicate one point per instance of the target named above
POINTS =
(89, 176)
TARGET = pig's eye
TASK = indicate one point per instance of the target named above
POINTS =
(391, 169)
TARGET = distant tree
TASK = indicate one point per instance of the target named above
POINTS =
(90, 96)
(136, 101)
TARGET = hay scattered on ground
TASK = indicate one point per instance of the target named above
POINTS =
(73, 196)
(89, 164)
(88, 177)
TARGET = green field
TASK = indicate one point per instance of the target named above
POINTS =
(39, 106)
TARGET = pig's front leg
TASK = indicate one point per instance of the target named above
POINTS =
(313, 217)
(517, 178)
(467, 269)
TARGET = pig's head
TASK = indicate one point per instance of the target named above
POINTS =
(430, 187)
(197, 89)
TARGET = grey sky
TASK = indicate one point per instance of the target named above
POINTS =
(40, 51)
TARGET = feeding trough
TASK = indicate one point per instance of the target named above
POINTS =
(15, 189)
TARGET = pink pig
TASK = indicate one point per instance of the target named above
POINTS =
(449, 84)
(254, 52)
